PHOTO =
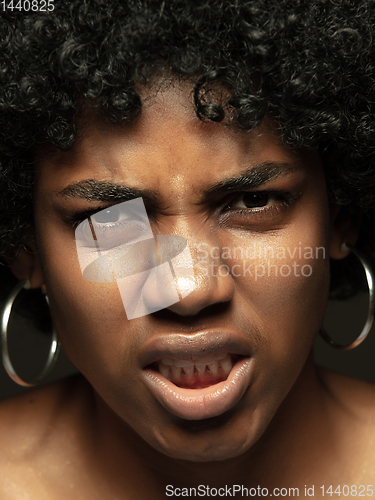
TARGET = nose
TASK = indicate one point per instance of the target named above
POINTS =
(205, 283)
(212, 286)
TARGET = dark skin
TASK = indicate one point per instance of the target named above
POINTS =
(107, 436)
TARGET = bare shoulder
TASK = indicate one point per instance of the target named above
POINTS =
(31, 412)
(37, 432)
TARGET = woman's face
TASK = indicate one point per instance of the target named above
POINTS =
(256, 219)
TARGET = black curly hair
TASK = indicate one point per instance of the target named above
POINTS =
(307, 63)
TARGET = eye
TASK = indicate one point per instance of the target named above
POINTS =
(254, 200)
(113, 225)
(110, 214)
(257, 209)
(116, 214)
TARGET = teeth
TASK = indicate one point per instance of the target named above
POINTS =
(201, 369)
(226, 363)
(189, 370)
(221, 356)
(164, 370)
(210, 364)
(208, 360)
(167, 361)
(183, 362)
(176, 371)
(214, 367)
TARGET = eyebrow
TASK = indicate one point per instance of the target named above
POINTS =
(252, 177)
(94, 190)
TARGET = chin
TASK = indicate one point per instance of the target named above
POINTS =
(209, 452)
(208, 440)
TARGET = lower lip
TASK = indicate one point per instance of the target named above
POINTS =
(198, 404)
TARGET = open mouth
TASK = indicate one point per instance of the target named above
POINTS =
(196, 373)
(197, 376)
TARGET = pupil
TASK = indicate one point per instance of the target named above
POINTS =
(252, 200)
(107, 215)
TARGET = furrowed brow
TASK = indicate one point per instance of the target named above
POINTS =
(251, 178)
(93, 190)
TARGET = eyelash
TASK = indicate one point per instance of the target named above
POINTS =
(283, 199)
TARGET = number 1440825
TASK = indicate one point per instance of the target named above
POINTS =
(27, 5)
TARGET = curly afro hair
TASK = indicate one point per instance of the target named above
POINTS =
(308, 64)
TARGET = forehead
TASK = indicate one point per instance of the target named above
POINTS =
(166, 142)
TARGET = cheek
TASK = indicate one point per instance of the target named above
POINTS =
(290, 302)
(99, 339)
(89, 317)
(282, 283)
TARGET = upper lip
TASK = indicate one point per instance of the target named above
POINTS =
(193, 346)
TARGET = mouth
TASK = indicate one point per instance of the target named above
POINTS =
(200, 376)
(198, 373)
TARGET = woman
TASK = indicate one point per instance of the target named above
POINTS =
(245, 132)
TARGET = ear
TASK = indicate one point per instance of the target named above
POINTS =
(25, 264)
(344, 228)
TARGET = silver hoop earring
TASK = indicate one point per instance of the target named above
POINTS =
(54, 349)
(371, 308)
